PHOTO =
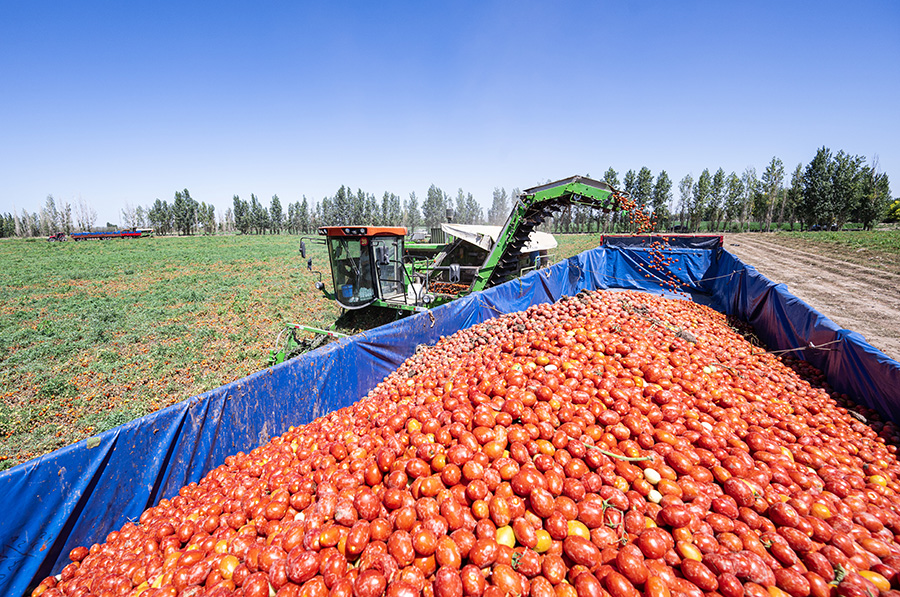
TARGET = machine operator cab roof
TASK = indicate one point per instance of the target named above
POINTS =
(366, 263)
(330, 231)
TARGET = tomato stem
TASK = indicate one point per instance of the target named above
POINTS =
(839, 573)
(621, 457)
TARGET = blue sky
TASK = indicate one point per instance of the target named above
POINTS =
(127, 102)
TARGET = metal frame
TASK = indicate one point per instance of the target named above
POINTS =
(533, 202)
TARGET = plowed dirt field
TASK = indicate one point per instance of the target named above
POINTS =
(857, 289)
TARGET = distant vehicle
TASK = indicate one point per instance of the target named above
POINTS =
(59, 236)
(133, 233)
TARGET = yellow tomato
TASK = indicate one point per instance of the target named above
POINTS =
(876, 579)
(544, 541)
(546, 447)
(227, 566)
(878, 480)
(506, 536)
(689, 551)
(579, 528)
(820, 510)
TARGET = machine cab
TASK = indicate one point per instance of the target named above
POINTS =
(366, 264)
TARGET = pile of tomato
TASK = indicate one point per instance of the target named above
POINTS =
(613, 444)
(447, 287)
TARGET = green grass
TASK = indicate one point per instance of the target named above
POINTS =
(573, 244)
(886, 241)
(95, 333)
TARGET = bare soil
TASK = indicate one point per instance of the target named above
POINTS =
(857, 289)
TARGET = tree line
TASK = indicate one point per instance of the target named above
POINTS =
(347, 207)
(827, 193)
(832, 190)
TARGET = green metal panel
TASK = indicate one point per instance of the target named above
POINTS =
(533, 202)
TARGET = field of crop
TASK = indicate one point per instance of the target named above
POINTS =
(878, 240)
(94, 334)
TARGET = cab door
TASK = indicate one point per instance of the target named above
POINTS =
(388, 253)
(351, 271)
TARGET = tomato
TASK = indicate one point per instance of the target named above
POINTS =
(483, 553)
(400, 547)
(541, 502)
(401, 589)
(553, 568)
(369, 583)
(447, 553)
(527, 562)
(797, 540)
(654, 542)
(505, 536)
(587, 585)
(424, 542)
(256, 585)
(818, 586)
(578, 529)
(617, 585)
(630, 562)
(506, 579)
(591, 513)
(729, 585)
(739, 490)
(793, 583)
(699, 574)
(302, 565)
(581, 551)
(783, 514)
(675, 515)
(541, 587)
(464, 540)
(78, 553)
(499, 511)
(472, 580)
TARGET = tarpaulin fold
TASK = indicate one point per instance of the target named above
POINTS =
(78, 494)
(665, 240)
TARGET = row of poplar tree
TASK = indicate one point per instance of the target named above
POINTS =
(833, 189)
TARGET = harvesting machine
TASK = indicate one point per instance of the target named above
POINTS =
(375, 266)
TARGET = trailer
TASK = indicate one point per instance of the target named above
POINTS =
(134, 233)
(78, 494)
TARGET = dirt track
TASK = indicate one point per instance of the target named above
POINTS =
(841, 285)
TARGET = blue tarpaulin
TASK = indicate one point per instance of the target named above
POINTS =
(76, 495)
